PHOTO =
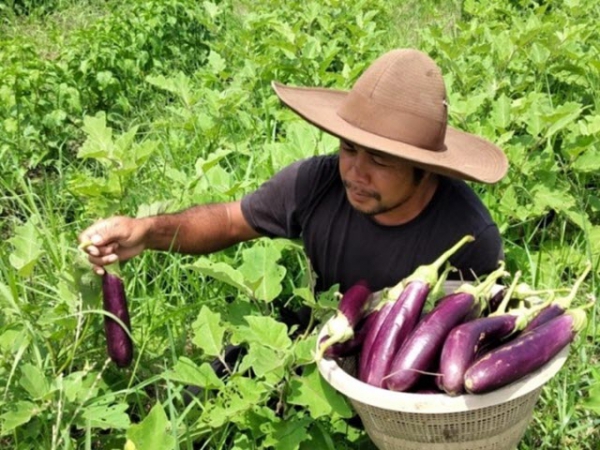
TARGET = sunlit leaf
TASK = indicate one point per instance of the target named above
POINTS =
(187, 372)
(312, 391)
(153, 433)
(208, 331)
(27, 247)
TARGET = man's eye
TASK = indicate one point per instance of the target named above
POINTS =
(379, 161)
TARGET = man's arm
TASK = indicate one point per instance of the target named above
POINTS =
(197, 230)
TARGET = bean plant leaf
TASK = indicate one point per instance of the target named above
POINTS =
(27, 247)
(187, 372)
(152, 433)
(313, 392)
(208, 332)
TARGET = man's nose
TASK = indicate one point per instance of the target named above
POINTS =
(360, 166)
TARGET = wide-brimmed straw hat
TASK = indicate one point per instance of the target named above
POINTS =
(398, 106)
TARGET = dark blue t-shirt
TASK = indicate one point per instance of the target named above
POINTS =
(307, 200)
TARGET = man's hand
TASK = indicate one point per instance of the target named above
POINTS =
(115, 239)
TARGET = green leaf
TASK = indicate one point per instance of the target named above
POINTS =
(27, 247)
(153, 433)
(222, 272)
(556, 199)
(501, 112)
(208, 332)
(304, 350)
(592, 402)
(289, 434)
(99, 143)
(106, 416)
(260, 270)
(187, 372)
(265, 331)
(562, 116)
(313, 392)
(34, 381)
(19, 414)
(264, 361)
(588, 161)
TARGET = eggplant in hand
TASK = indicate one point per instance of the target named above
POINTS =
(118, 341)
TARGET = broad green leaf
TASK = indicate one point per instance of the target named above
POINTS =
(27, 247)
(222, 272)
(99, 143)
(208, 332)
(319, 438)
(312, 391)
(304, 350)
(263, 360)
(306, 294)
(216, 62)
(187, 372)
(243, 394)
(203, 165)
(501, 112)
(588, 162)
(7, 300)
(152, 433)
(289, 434)
(106, 417)
(562, 116)
(260, 269)
(592, 402)
(556, 199)
(19, 413)
(34, 381)
(265, 331)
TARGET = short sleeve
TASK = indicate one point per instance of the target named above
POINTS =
(271, 210)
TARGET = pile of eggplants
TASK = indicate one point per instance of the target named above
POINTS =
(473, 340)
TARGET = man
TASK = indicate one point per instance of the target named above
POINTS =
(391, 200)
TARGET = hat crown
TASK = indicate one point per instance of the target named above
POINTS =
(401, 96)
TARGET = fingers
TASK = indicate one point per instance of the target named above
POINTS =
(101, 242)
(104, 232)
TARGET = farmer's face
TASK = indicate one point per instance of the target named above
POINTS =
(377, 184)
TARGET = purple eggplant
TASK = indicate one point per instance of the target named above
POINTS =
(468, 340)
(350, 311)
(421, 350)
(558, 306)
(118, 340)
(402, 317)
(378, 317)
(524, 354)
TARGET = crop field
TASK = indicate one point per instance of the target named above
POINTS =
(143, 107)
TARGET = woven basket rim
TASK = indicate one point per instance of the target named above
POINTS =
(434, 403)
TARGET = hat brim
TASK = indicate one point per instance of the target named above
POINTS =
(464, 155)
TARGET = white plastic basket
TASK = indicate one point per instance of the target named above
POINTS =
(406, 421)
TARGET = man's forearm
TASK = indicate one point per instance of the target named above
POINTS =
(199, 229)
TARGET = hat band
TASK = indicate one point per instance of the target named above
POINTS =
(362, 112)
